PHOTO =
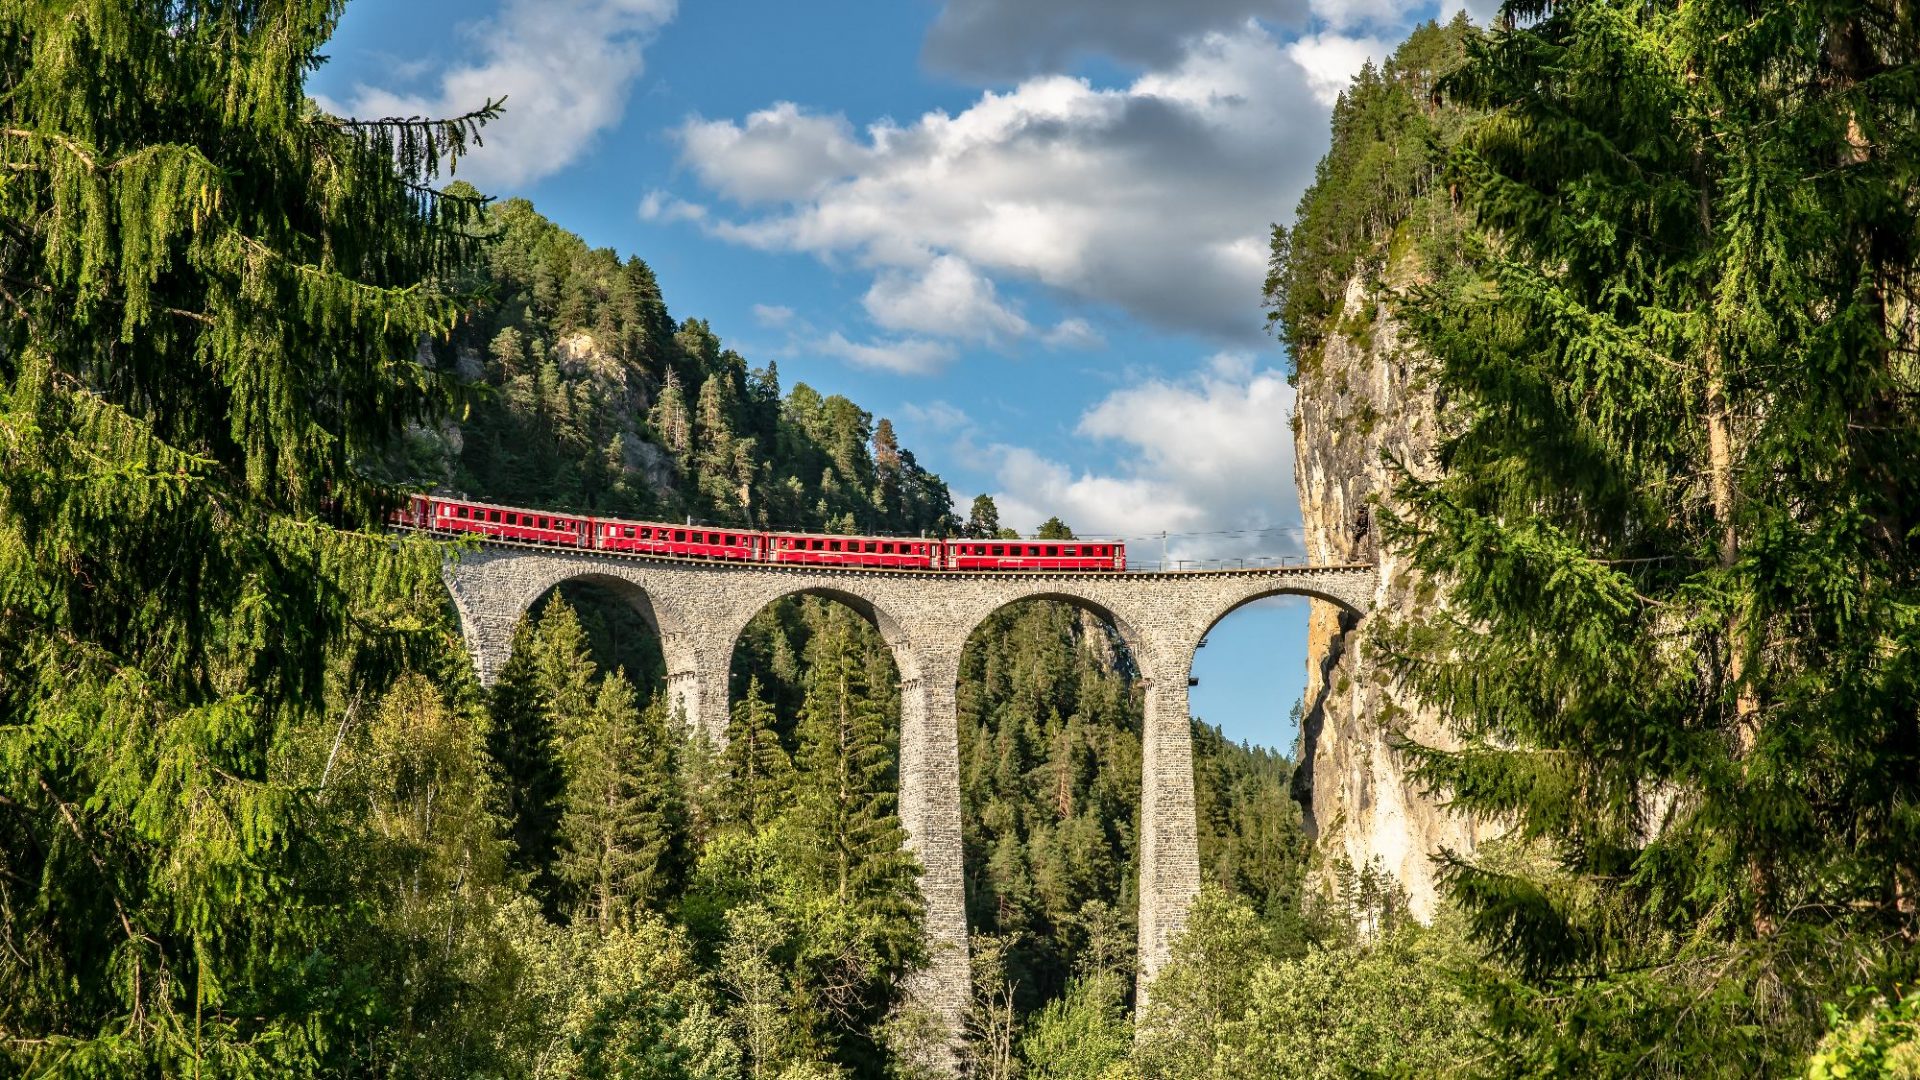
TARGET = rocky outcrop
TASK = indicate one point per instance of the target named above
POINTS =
(1362, 403)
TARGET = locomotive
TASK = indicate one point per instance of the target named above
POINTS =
(431, 513)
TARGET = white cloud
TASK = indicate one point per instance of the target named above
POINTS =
(1211, 455)
(661, 206)
(1154, 197)
(1073, 333)
(947, 298)
(772, 316)
(780, 152)
(565, 67)
(905, 356)
(1332, 60)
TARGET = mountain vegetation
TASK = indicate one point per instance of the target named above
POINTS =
(256, 816)
(1660, 262)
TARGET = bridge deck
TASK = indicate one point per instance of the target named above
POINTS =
(1130, 574)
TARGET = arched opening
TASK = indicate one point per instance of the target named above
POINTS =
(779, 643)
(581, 735)
(622, 628)
(1050, 706)
(803, 834)
(1252, 697)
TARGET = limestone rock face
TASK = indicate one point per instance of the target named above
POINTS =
(1362, 404)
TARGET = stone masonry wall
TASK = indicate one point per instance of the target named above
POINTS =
(700, 608)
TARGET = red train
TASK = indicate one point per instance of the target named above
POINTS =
(453, 516)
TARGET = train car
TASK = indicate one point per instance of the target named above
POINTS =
(882, 553)
(509, 523)
(1077, 555)
(679, 541)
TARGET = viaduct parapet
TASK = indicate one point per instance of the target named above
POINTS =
(699, 609)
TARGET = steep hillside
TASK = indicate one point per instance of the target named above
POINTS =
(587, 395)
(1376, 221)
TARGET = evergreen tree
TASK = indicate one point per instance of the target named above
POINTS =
(1675, 522)
(1054, 529)
(213, 297)
(619, 814)
(983, 519)
(846, 780)
(522, 737)
(759, 773)
(671, 420)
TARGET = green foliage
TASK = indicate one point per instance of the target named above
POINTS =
(1380, 183)
(1675, 526)
(1881, 1044)
(206, 330)
(983, 519)
(759, 772)
(587, 395)
(1083, 1035)
(845, 784)
(621, 849)
(1377, 1003)
(628, 1001)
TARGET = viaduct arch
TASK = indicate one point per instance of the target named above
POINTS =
(700, 608)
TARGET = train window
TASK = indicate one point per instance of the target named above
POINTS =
(1069, 551)
(679, 536)
(627, 532)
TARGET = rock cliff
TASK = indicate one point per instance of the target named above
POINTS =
(1362, 402)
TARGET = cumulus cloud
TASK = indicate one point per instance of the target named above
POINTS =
(1332, 60)
(1210, 456)
(1009, 39)
(565, 66)
(905, 356)
(1153, 197)
(948, 298)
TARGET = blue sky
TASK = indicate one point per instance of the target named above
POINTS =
(1030, 232)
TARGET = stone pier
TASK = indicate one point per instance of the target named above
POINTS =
(699, 609)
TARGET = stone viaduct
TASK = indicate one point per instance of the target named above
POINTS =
(699, 609)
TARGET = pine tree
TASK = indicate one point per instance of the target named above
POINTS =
(213, 294)
(1054, 529)
(671, 423)
(619, 811)
(521, 742)
(715, 459)
(1675, 522)
(759, 773)
(983, 518)
(846, 781)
